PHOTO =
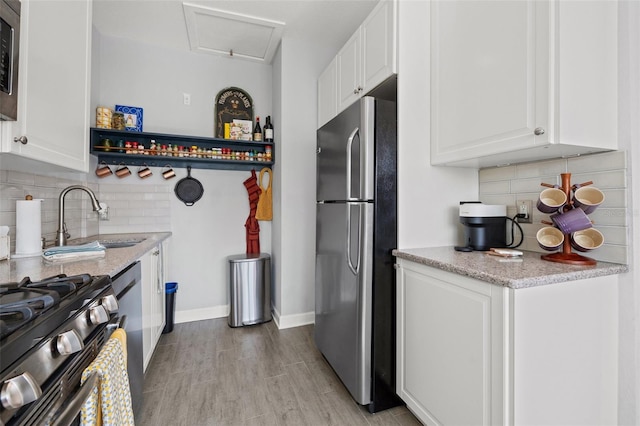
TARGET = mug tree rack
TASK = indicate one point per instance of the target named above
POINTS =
(567, 256)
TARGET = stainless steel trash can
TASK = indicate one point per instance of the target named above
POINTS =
(249, 289)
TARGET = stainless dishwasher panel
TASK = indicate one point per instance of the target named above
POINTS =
(128, 288)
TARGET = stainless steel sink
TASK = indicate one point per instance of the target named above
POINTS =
(121, 243)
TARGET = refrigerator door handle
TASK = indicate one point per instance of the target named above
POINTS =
(349, 144)
(354, 269)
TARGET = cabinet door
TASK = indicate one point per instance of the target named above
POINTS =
(152, 301)
(148, 293)
(450, 340)
(349, 72)
(379, 45)
(489, 77)
(158, 295)
(53, 105)
(328, 93)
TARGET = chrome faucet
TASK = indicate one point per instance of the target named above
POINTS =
(62, 234)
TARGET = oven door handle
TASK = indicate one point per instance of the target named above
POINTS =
(116, 323)
(74, 407)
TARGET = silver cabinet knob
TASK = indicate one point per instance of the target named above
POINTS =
(19, 391)
(359, 89)
(318, 150)
(538, 131)
(98, 315)
(355, 91)
(22, 139)
(68, 343)
(110, 303)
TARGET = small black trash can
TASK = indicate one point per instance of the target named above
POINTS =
(170, 290)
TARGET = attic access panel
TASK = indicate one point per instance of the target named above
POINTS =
(232, 34)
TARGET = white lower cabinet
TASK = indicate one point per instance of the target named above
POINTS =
(153, 305)
(474, 353)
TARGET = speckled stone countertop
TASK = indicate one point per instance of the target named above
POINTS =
(115, 260)
(530, 272)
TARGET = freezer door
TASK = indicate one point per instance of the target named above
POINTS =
(343, 293)
(345, 152)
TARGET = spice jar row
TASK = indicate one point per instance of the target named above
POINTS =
(194, 151)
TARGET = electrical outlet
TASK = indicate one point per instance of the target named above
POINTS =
(186, 98)
(525, 207)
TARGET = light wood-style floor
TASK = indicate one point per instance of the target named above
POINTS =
(206, 373)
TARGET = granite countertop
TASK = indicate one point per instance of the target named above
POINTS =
(530, 272)
(115, 260)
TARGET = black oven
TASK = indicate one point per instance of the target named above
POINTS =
(50, 331)
(9, 54)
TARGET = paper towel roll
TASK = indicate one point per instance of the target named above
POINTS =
(28, 228)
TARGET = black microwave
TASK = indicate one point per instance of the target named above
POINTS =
(9, 49)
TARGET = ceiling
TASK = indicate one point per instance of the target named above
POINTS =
(162, 22)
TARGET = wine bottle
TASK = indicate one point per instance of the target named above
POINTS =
(268, 130)
(257, 131)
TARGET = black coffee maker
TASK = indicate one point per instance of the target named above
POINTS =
(484, 226)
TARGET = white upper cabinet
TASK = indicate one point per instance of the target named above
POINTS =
(367, 59)
(54, 88)
(522, 81)
(379, 40)
(328, 93)
(350, 84)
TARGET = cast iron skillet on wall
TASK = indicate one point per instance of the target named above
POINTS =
(189, 190)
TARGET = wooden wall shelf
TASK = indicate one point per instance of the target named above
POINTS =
(115, 155)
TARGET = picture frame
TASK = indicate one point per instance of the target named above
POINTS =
(231, 103)
(132, 117)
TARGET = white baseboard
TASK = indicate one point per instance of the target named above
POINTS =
(295, 320)
(202, 314)
(286, 321)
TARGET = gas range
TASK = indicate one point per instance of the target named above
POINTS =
(50, 330)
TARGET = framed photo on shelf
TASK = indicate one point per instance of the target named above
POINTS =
(132, 117)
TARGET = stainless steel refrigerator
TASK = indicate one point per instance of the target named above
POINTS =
(355, 233)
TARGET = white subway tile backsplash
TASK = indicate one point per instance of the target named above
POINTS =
(495, 187)
(498, 173)
(608, 171)
(615, 198)
(133, 207)
(542, 168)
(506, 199)
(20, 178)
(529, 185)
(613, 234)
(609, 217)
(606, 179)
(607, 161)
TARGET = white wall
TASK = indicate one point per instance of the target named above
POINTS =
(629, 139)
(299, 67)
(428, 196)
(205, 234)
